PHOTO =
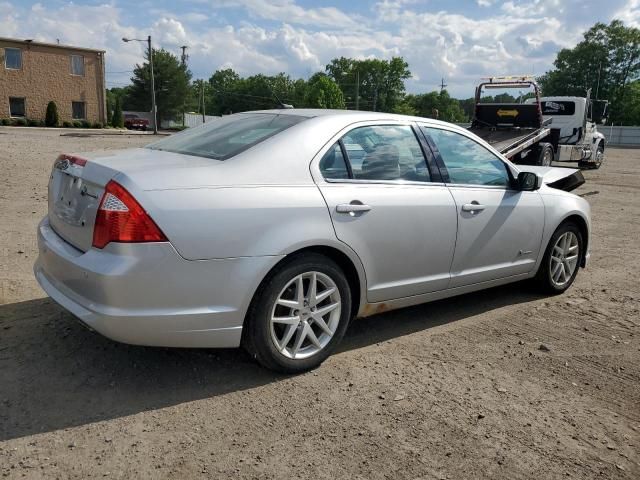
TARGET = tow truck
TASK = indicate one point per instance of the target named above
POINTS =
(575, 119)
(516, 129)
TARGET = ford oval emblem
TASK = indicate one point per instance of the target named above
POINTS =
(62, 164)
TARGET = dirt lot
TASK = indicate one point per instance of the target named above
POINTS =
(454, 389)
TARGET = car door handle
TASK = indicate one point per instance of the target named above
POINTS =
(473, 207)
(352, 208)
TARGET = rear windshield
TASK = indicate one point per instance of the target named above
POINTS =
(223, 138)
(558, 108)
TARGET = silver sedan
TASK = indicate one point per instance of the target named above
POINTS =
(273, 229)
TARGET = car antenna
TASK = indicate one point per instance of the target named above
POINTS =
(280, 103)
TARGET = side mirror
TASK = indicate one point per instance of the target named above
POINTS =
(529, 181)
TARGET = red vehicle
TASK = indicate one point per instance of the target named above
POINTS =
(134, 122)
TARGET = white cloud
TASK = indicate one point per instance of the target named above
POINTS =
(514, 36)
(288, 11)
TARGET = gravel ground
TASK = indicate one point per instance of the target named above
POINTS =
(453, 389)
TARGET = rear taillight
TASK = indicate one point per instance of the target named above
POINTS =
(121, 219)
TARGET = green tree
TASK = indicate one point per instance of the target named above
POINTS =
(322, 92)
(380, 83)
(117, 119)
(606, 61)
(405, 108)
(171, 85)
(113, 94)
(223, 84)
(631, 115)
(51, 118)
(437, 105)
(230, 93)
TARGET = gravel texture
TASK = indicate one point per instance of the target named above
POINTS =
(498, 384)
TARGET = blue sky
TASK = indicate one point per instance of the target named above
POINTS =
(455, 39)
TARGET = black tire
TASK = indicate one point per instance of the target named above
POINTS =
(594, 165)
(543, 278)
(257, 332)
(544, 155)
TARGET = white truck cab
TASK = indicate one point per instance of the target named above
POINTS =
(579, 139)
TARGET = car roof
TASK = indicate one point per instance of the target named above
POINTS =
(349, 115)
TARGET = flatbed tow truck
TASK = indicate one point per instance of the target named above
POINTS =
(517, 130)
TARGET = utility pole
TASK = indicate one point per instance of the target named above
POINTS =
(442, 86)
(202, 90)
(375, 98)
(153, 89)
(153, 81)
(184, 57)
(598, 84)
(183, 61)
(357, 90)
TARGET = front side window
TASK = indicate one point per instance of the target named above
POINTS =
(222, 139)
(385, 152)
(78, 110)
(16, 107)
(13, 58)
(77, 65)
(468, 162)
(333, 165)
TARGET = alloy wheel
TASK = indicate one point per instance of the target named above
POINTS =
(305, 315)
(564, 259)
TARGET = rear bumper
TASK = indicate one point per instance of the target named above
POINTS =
(146, 294)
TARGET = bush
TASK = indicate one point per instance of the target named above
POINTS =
(85, 124)
(77, 124)
(19, 122)
(96, 125)
(66, 124)
(5, 122)
(33, 123)
(51, 118)
(117, 120)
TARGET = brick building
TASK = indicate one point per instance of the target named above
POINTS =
(34, 73)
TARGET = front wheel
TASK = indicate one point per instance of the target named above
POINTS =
(599, 160)
(299, 315)
(561, 260)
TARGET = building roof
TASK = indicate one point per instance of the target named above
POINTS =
(54, 45)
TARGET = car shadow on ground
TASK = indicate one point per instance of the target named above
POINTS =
(56, 374)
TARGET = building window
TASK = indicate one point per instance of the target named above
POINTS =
(78, 110)
(13, 58)
(16, 107)
(77, 65)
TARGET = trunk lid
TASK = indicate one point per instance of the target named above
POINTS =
(77, 184)
(75, 190)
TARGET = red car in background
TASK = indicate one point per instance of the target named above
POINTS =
(134, 122)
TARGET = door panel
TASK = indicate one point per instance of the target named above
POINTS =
(499, 229)
(501, 240)
(405, 239)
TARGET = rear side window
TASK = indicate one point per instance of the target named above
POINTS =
(333, 165)
(378, 152)
(222, 139)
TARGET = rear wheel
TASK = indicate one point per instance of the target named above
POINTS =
(561, 260)
(544, 154)
(299, 315)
